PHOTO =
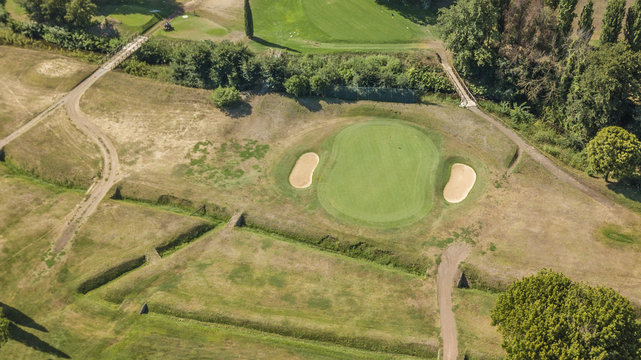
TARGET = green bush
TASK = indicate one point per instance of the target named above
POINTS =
(297, 86)
(224, 97)
(110, 274)
(187, 237)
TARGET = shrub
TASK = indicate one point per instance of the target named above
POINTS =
(297, 86)
(224, 97)
(318, 85)
(4, 328)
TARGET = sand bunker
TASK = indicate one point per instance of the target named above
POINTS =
(301, 175)
(56, 68)
(462, 179)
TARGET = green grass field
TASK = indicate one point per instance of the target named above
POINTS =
(310, 23)
(380, 172)
(193, 27)
(131, 16)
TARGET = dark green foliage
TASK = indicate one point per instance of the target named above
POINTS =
(614, 151)
(360, 342)
(547, 316)
(191, 64)
(249, 20)
(184, 238)
(64, 38)
(565, 17)
(156, 52)
(633, 26)
(74, 13)
(297, 86)
(586, 26)
(232, 64)
(600, 95)
(224, 97)
(471, 30)
(612, 21)
(4, 328)
(110, 274)
(136, 67)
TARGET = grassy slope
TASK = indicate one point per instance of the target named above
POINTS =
(379, 172)
(65, 156)
(309, 23)
(255, 277)
(26, 91)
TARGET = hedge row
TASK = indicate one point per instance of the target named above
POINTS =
(187, 237)
(480, 280)
(359, 342)
(357, 249)
(110, 274)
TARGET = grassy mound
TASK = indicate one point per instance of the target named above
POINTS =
(329, 21)
(380, 173)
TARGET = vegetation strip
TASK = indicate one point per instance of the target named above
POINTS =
(364, 343)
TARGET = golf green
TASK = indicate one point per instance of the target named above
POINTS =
(379, 173)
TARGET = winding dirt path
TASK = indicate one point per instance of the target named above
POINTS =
(447, 271)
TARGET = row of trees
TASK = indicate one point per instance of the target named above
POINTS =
(72, 13)
(208, 65)
(526, 51)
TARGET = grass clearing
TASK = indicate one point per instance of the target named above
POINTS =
(133, 16)
(194, 27)
(30, 84)
(313, 23)
(478, 339)
(379, 172)
(243, 277)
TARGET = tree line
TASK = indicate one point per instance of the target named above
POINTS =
(527, 52)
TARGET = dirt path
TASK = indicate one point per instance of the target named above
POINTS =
(468, 101)
(111, 165)
(447, 271)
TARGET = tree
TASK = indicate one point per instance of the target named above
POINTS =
(249, 20)
(565, 17)
(612, 21)
(471, 29)
(4, 328)
(586, 27)
(602, 93)
(633, 26)
(79, 13)
(614, 151)
(297, 86)
(224, 97)
(546, 316)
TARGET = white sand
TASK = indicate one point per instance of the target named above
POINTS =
(57, 68)
(462, 179)
(301, 175)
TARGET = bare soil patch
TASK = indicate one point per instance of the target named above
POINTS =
(57, 68)
(462, 179)
(303, 171)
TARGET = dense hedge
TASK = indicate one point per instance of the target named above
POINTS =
(480, 280)
(187, 237)
(360, 342)
(110, 274)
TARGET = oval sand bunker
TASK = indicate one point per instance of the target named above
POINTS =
(301, 175)
(462, 179)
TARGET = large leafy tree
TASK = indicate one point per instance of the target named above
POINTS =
(79, 13)
(612, 21)
(614, 151)
(75, 13)
(547, 316)
(471, 29)
(633, 26)
(601, 95)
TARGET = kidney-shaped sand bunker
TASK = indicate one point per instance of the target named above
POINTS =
(462, 179)
(303, 171)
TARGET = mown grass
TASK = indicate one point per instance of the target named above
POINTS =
(477, 338)
(380, 173)
(313, 24)
(132, 16)
(261, 282)
(194, 28)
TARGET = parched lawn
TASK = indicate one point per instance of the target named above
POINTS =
(274, 284)
(193, 27)
(477, 338)
(380, 173)
(297, 23)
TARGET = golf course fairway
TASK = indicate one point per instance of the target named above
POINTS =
(380, 173)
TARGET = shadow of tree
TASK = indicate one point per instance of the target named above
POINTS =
(415, 12)
(238, 111)
(313, 104)
(32, 341)
(630, 187)
(128, 7)
(18, 317)
(271, 44)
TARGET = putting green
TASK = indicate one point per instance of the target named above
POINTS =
(380, 173)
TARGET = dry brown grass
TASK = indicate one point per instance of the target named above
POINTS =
(29, 84)
(476, 336)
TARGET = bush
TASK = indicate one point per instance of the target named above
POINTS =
(297, 86)
(136, 67)
(318, 85)
(224, 97)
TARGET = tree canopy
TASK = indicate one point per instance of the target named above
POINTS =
(614, 151)
(547, 316)
(612, 21)
(75, 13)
(632, 30)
